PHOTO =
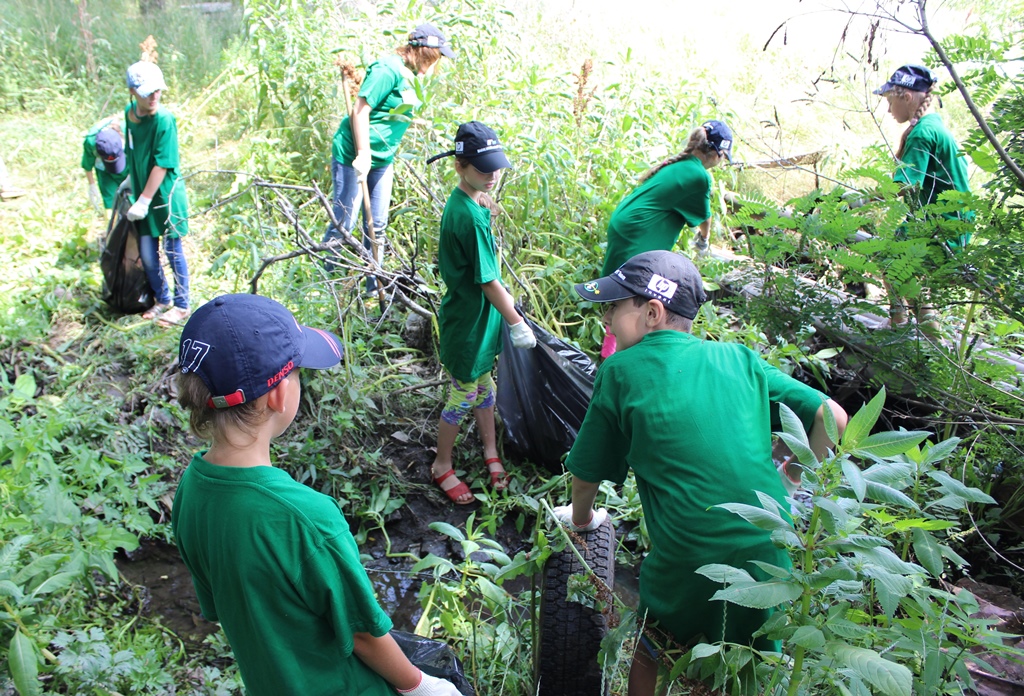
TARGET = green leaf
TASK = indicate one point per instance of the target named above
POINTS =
(888, 678)
(886, 494)
(928, 552)
(889, 444)
(702, 650)
(794, 436)
(861, 423)
(24, 665)
(855, 478)
(441, 565)
(55, 583)
(936, 453)
(9, 553)
(957, 488)
(760, 595)
(758, 517)
(809, 637)
(890, 588)
(831, 427)
(725, 574)
(448, 530)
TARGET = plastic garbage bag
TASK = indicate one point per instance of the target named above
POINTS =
(543, 394)
(125, 286)
(434, 658)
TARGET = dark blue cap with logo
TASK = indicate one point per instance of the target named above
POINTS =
(110, 149)
(242, 346)
(720, 137)
(659, 275)
(916, 78)
(430, 36)
(480, 145)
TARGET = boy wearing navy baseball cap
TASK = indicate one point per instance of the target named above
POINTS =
(272, 560)
(693, 419)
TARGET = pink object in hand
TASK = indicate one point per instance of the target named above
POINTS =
(608, 346)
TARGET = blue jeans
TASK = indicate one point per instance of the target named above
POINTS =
(348, 203)
(149, 251)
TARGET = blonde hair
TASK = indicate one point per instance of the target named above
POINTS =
(922, 108)
(211, 423)
(698, 142)
(418, 58)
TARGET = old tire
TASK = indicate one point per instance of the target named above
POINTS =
(570, 633)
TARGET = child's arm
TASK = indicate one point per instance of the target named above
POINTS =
(360, 122)
(141, 207)
(818, 439)
(384, 657)
(497, 295)
(580, 515)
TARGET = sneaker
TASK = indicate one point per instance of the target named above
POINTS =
(173, 317)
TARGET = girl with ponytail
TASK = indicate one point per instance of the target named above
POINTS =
(929, 160)
(673, 194)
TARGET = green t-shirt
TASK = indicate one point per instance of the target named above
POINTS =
(388, 91)
(106, 181)
(274, 562)
(470, 326)
(693, 420)
(933, 162)
(153, 142)
(650, 217)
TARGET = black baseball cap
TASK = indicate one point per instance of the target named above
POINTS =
(659, 275)
(430, 36)
(913, 77)
(242, 346)
(720, 137)
(480, 145)
(110, 149)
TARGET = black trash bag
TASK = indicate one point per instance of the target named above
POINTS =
(434, 658)
(543, 394)
(125, 286)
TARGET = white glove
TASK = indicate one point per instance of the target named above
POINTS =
(140, 209)
(522, 335)
(94, 197)
(362, 164)
(431, 686)
(789, 484)
(597, 518)
(700, 244)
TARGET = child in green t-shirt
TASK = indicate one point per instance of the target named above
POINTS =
(473, 307)
(271, 559)
(930, 162)
(104, 160)
(160, 210)
(673, 194)
(693, 420)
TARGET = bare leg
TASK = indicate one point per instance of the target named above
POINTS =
(446, 434)
(485, 425)
(643, 675)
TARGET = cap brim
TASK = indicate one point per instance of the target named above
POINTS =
(447, 52)
(491, 161)
(117, 165)
(605, 289)
(323, 349)
(883, 89)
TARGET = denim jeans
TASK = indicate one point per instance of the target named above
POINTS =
(348, 203)
(149, 251)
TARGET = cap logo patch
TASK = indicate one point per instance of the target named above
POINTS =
(433, 41)
(619, 274)
(282, 373)
(726, 144)
(906, 79)
(664, 288)
(592, 287)
(459, 147)
(192, 354)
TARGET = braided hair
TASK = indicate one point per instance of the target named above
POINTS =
(922, 109)
(698, 142)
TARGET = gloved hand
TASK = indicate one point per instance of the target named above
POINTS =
(522, 335)
(140, 209)
(701, 244)
(362, 164)
(431, 686)
(94, 197)
(789, 484)
(125, 185)
(597, 518)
